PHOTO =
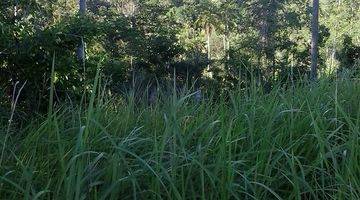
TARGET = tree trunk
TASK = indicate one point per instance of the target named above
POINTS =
(314, 40)
(16, 9)
(80, 52)
(82, 7)
(226, 44)
(208, 40)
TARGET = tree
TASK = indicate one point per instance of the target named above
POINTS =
(314, 40)
(81, 48)
(349, 56)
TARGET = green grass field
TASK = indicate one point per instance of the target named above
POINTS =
(300, 144)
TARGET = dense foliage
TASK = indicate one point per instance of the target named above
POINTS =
(179, 99)
(143, 42)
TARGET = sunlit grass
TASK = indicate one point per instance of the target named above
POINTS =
(301, 144)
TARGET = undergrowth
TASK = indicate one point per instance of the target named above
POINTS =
(288, 144)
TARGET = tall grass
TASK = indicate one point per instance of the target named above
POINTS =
(301, 144)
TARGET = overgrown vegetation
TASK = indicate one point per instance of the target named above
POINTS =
(175, 99)
(218, 43)
(288, 144)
